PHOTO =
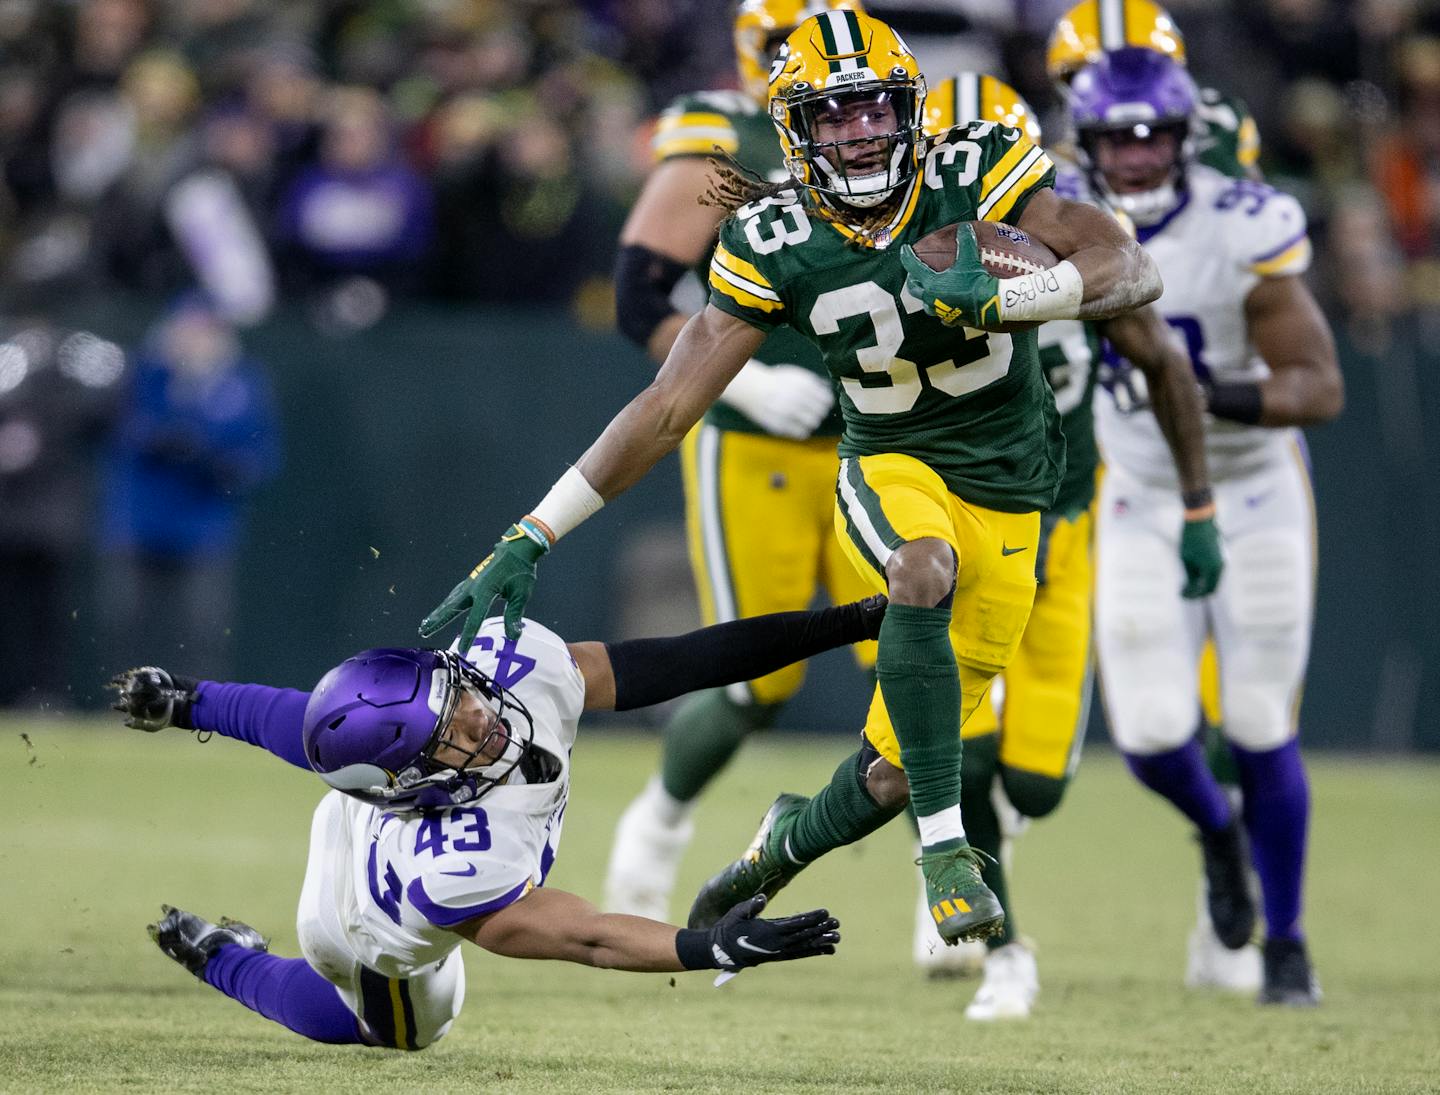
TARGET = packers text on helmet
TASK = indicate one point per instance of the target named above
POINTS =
(760, 28)
(848, 99)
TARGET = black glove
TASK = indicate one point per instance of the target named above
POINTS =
(741, 939)
(154, 698)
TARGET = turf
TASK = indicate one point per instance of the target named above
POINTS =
(102, 825)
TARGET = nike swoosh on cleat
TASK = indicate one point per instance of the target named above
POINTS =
(1004, 550)
(744, 941)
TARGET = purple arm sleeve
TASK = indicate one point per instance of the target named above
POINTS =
(272, 718)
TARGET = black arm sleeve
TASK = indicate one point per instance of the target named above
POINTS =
(654, 670)
(643, 280)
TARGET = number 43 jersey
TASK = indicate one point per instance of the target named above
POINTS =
(1212, 250)
(973, 405)
(408, 878)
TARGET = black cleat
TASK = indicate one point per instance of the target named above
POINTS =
(191, 940)
(1290, 980)
(153, 698)
(1227, 885)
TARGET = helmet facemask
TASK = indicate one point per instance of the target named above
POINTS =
(1144, 207)
(861, 170)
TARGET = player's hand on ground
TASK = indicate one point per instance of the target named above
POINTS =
(966, 295)
(742, 938)
(507, 572)
(784, 400)
(1200, 553)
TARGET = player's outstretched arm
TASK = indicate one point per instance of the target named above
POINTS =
(1115, 273)
(710, 351)
(548, 923)
(1290, 333)
(640, 672)
(1147, 342)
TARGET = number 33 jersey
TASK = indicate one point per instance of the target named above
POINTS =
(409, 878)
(973, 405)
(1225, 236)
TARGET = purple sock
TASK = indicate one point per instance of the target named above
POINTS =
(272, 718)
(285, 990)
(1183, 777)
(1277, 814)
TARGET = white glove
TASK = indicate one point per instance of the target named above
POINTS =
(785, 400)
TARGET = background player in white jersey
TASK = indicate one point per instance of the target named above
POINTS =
(759, 470)
(1231, 253)
(450, 778)
(1023, 741)
(1225, 138)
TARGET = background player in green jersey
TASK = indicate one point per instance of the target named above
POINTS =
(759, 470)
(951, 444)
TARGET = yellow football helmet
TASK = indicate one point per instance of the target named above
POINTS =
(830, 65)
(971, 96)
(760, 27)
(1090, 28)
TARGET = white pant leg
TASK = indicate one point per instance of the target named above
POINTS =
(1263, 611)
(409, 1013)
(1147, 636)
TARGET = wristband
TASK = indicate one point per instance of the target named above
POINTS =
(1047, 294)
(692, 947)
(1236, 401)
(536, 530)
(570, 501)
(1199, 504)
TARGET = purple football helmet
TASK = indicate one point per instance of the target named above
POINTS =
(375, 721)
(1135, 91)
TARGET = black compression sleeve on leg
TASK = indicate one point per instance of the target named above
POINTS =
(654, 670)
(643, 280)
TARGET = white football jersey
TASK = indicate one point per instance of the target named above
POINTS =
(1212, 251)
(410, 877)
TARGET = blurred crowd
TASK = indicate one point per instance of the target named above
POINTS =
(352, 155)
(353, 152)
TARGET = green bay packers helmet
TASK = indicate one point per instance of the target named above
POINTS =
(762, 25)
(973, 96)
(833, 62)
(1096, 26)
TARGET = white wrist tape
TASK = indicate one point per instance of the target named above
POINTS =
(571, 500)
(1049, 294)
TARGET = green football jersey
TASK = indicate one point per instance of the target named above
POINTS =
(971, 404)
(1231, 141)
(696, 125)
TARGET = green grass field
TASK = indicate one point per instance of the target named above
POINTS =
(102, 825)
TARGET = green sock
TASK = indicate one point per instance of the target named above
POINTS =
(921, 685)
(702, 736)
(1219, 757)
(842, 813)
(982, 824)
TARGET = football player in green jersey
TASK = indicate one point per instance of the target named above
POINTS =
(1229, 141)
(759, 470)
(1023, 742)
(951, 446)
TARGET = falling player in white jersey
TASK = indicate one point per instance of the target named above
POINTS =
(1231, 253)
(450, 778)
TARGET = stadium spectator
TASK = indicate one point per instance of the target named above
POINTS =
(57, 395)
(197, 436)
(360, 209)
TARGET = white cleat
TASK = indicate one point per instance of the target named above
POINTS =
(932, 957)
(1010, 988)
(645, 859)
(1210, 964)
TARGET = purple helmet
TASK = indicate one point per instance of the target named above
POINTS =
(375, 721)
(1135, 91)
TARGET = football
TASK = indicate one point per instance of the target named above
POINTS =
(1005, 251)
